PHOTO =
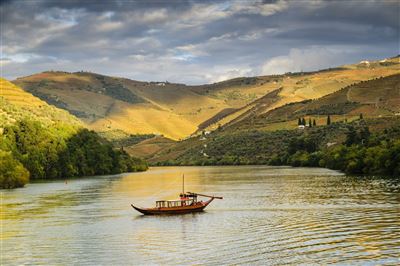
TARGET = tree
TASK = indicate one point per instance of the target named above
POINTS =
(303, 122)
(361, 116)
(309, 122)
(60, 151)
(364, 135)
(12, 173)
(314, 123)
(299, 121)
(352, 137)
(328, 120)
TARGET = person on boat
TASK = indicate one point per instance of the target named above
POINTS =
(183, 199)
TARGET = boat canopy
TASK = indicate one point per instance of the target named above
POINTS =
(174, 203)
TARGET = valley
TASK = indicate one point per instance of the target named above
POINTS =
(251, 120)
(177, 111)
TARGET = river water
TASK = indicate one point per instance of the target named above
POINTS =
(269, 216)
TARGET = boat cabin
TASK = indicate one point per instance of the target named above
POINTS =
(174, 203)
(187, 203)
(186, 199)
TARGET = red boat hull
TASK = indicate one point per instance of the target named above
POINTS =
(198, 207)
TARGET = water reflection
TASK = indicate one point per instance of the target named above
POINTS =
(268, 216)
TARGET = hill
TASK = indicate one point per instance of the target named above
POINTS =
(256, 138)
(298, 87)
(108, 103)
(177, 110)
(363, 146)
(40, 141)
(17, 104)
(374, 98)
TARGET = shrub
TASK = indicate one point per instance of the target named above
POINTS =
(12, 173)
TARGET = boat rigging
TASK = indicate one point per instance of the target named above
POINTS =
(187, 203)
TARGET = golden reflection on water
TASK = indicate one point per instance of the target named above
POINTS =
(268, 216)
(161, 183)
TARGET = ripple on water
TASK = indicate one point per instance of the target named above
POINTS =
(274, 216)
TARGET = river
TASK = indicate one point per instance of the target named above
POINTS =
(269, 216)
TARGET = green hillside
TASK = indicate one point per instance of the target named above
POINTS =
(40, 141)
(366, 146)
(239, 121)
(365, 119)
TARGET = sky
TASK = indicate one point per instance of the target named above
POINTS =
(193, 42)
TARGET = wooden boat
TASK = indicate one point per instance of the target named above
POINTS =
(187, 203)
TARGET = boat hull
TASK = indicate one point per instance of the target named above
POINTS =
(172, 210)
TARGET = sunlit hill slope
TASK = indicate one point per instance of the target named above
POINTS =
(256, 137)
(17, 104)
(176, 110)
(107, 103)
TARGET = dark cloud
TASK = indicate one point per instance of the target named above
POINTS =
(117, 5)
(192, 41)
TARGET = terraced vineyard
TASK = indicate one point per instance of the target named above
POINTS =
(177, 110)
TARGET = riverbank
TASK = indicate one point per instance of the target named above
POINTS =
(29, 150)
(351, 148)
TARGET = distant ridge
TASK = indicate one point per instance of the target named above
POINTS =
(177, 111)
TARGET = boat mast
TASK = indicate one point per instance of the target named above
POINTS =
(183, 184)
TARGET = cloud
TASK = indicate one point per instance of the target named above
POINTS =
(193, 41)
(109, 26)
(259, 7)
(225, 73)
(313, 58)
(5, 61)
